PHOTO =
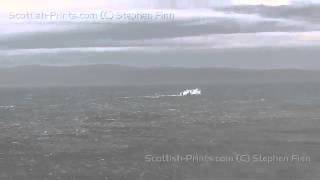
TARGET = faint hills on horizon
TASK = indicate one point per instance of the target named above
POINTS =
(117, 75)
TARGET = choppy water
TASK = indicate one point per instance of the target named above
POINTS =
(93, 133)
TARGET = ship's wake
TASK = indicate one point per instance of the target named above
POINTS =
(186, 92)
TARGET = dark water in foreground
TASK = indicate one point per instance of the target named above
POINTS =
(108, 133)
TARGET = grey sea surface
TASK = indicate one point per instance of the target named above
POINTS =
(81, 133)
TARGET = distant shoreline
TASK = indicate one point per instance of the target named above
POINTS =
(118, 75)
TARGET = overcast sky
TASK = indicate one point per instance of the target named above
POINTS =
(191, 30)
(16, 5)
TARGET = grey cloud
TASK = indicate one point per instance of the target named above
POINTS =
(234, 38)
(308, 13)
(110, 35)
